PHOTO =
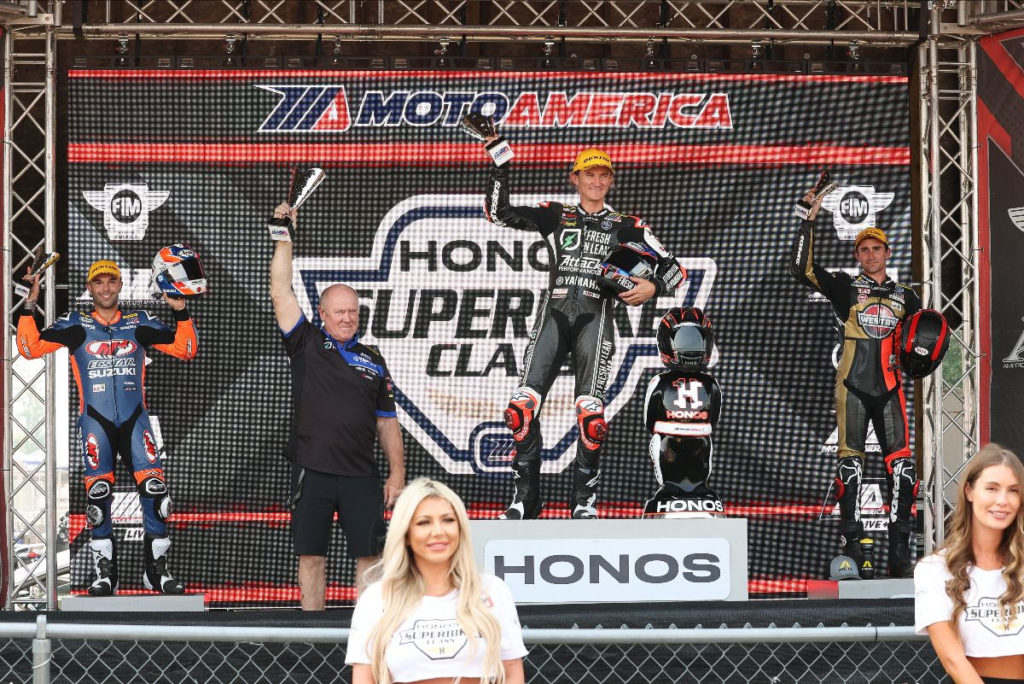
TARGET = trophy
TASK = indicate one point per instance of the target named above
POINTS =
(482, 128)
(807, 207)
(304, 182)
(42, 260)
(478, 126)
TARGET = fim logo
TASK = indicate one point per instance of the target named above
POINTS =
(855, 207)
(1016, 215)
(125, 208)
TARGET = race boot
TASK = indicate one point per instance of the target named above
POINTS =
(104, 561)
(157, 577)
(584, 491)
(900, 562)
(858, 547)
(526, 503)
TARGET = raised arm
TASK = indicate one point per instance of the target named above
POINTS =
(286, 304)
(31, 342)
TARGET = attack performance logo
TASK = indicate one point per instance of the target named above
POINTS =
(855, 207)
(125, 208)
(450, 300)
(317, 108)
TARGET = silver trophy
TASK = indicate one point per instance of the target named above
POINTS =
(42, 260)
(304, 182)
(479, 126)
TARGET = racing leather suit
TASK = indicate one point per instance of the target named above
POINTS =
(108, 363)
(575, 317)
(681, 410)
(869, 386)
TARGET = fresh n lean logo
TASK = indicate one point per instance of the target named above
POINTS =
(449, 300)
(317, 108)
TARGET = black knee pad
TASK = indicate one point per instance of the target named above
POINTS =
(155, 488)
(99, 494)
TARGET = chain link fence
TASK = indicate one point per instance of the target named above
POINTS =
(103, 654)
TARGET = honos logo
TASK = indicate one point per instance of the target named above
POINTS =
(125, 208)
(450, 301)
(855, 207)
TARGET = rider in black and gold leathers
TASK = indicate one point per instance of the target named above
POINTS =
(869, 309)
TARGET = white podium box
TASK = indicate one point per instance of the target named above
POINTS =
(134, 604)
(616, 561)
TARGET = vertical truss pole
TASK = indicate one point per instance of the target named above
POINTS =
(29, 458)
(950, 239)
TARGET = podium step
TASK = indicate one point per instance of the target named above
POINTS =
(861, 589)
(134, 604)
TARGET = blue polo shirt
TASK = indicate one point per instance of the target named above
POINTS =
(339, 390)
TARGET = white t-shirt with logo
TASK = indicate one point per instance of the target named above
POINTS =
(430, 643)
(983, 633)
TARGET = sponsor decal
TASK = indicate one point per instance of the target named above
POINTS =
(436, 639)
(125, 208)
(150, 446)
(576, 570)
(108, 368)
(874, 514)
(319, 108)
(446, 295)
(855, 207)
(92, 451)
(570, 238)
(111, 349)
(689, 506)
(986, 611)
(878, 320)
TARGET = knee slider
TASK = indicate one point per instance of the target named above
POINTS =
(523, 407)
(590, 421)
(155, 488)
(849, 472)
(98, 494)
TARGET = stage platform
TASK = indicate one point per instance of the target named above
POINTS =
(683, 614)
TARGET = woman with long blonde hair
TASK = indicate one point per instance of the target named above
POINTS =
(429, 617)
(969, 596)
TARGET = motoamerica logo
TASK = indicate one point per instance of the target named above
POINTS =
(450, 300)
(320, 108)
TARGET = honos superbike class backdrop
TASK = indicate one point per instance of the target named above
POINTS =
(713, 162)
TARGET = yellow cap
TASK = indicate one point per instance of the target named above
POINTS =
(591, 157)
(101, 267)
(874, 233)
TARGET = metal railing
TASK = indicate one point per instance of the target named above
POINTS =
(43, 652)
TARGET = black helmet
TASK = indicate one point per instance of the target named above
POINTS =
(923, 342)
(625, 260)
(685, 339)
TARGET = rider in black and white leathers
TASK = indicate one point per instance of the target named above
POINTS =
(575, 317)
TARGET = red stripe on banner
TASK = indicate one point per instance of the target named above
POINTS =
(777, 586)
(632, 76)
(1008, 66)
(433, 154)
(989, 129)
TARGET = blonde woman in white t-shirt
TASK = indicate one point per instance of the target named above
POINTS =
(411, 624)
(969, 596)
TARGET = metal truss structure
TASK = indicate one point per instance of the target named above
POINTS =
(947, 199)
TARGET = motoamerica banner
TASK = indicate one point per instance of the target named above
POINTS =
(713, 162)
(1001, 208)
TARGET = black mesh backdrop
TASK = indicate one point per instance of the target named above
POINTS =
(714, 163)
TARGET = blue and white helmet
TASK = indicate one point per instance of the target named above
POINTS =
(178, 272)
